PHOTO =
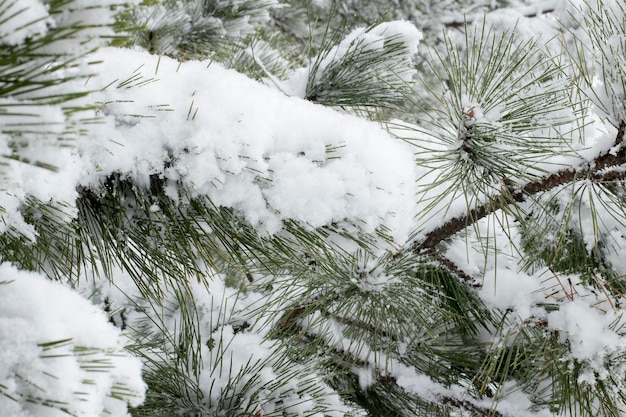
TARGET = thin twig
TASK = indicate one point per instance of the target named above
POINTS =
(568, 295)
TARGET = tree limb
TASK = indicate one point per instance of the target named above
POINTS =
(597, 171)
(349, 360)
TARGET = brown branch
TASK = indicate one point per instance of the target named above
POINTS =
(595, 172)
(469, 406)
(454, 269)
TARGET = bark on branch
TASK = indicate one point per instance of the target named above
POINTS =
(608, 167)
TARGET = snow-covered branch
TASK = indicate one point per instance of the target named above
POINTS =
(608, 167)
(534, 10)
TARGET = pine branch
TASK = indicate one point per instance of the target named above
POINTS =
(468, 405)
(453, 268)
(305, 340)
(530, 11)
(596, 171)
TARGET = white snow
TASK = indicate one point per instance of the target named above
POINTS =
(30, 19)
(245, 146)
(55, 345)
(512, 404)
(589, 331)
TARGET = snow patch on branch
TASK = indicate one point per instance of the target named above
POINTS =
(59, 352)
(213, 132)
(377, 59)
(30, 18)
(591, 334)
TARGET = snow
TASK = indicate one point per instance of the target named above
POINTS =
(366, 376)
(30, 19)
(270, 157)
(232, 19)
(238, 361)
(45, 130)
(513, 403)
(588, 330)
(503, 285)
(586, 319)
(374, 39)
(53, 343)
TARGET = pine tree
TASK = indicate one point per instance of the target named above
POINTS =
(312, 208)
